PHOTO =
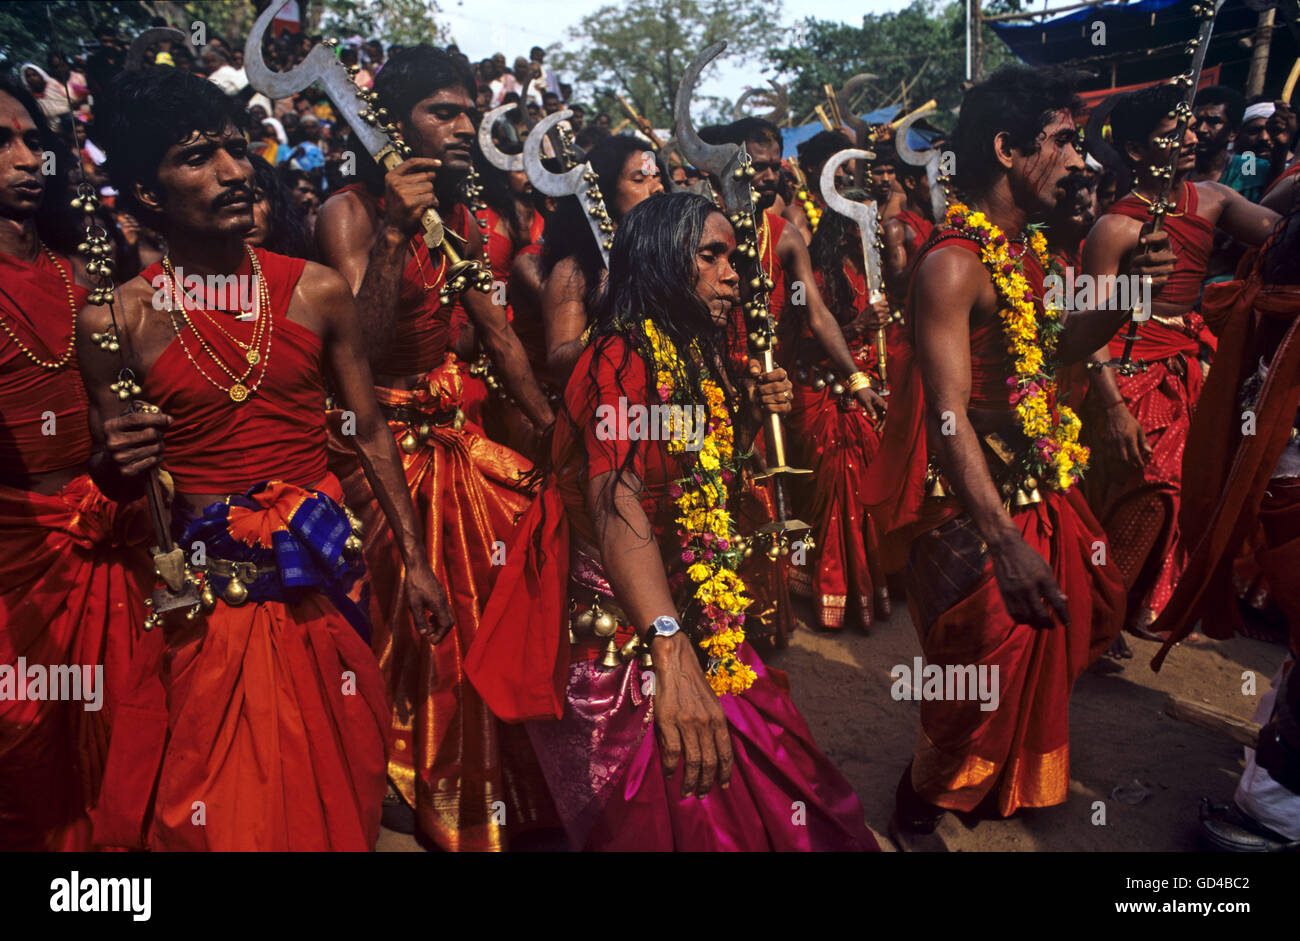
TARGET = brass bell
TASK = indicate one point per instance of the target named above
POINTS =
(573, 638)
(235, 593)
(409, 443)
(604, 625)
(208, 597)
(837, 389)
(352, 545)
(628, 650)
(819, 383)
(646, 659)
(585, 621)
(774, 552)
(610, 658)
(934, 485)
(423, 431)
(1022, 498)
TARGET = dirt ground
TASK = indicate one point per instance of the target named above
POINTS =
(1119, 734)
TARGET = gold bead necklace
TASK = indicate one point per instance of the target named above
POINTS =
(59, 363)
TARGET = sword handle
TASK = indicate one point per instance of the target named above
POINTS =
(880, 359)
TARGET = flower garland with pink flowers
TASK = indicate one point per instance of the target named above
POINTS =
(705, 534)
(1055, 457)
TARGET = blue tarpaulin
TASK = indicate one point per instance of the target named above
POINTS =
(792, 137)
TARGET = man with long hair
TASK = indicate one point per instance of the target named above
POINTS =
(260, 722)
(998, 573)
(631, 551)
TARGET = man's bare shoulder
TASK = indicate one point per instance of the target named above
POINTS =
(347, 212)
(1115, 227)
(320, 286)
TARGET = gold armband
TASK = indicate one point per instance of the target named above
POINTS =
(859, 380)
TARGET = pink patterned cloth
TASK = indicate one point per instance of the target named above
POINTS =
(601, 762)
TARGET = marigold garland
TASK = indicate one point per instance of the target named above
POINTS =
(704, 528)
(810, 207)
(1055, 457)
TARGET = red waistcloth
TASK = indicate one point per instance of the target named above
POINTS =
(73, 579)
(258, 728)
(35, 309)
(216, 446)
(423, 324)
(1191, 237)
(1221, 502)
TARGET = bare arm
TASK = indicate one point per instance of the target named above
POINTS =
(795, 215)
(1115, 245)
(564, 316)
(896, 236)
(326, 294)
(125, 444)
(499, 339)
(1245, 221)
(798, 266)
(371, 253)
(950, 283)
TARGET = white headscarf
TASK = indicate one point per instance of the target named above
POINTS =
(1262, 109)
(53, 100)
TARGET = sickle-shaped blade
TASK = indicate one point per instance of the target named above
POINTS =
(844, 98)
(511, 163)
(320, 66)
(781, 110)
(146, 39)
(551, 184)
(579, 182)
(866, 215)
(1100, 148)
(712, 158)
(738, 109)
(928, 159)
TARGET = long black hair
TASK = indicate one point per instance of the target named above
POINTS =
(496, 193)
(288, 228)
(569, 235)
(827, 253)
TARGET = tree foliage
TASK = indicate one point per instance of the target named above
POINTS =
(404, 22)
(30, 30)
(926, 39)
(641, 48)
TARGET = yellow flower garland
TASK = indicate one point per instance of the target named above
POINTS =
(810, 208)
(1055, 455)
(704, 528)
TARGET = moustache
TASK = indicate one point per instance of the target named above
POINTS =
(236, 195)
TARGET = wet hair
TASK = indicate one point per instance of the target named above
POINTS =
(827, 254)
(147, 112)
(1233, 101)
(288, 229)
(1016, 100)
(56, 223)
(1138, 113)
(819, 148)
(568, 234)
(652, 276)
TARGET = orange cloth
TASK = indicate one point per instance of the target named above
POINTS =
(256, 728)
(451, 760)
(73, 579)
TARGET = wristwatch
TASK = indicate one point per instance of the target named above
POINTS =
(662, 627)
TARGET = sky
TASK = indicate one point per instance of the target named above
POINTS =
(482, 27)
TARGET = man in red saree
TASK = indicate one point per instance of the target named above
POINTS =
(998, 573)
(1138, 424)
(451, 762)
(260, 723)
(700, 748)
(71, 591)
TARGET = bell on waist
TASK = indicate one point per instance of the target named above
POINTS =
(610, 658)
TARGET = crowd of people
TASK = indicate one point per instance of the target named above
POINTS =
(362, 543)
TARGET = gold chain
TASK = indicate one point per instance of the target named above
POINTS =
(238, 391)
(249, 348)
(72, 305)
(1150, 204)
(415, 250)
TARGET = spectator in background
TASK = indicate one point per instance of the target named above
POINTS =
(106, 61)
(280, 224)
(1218, 111)
(71, 79)
(550, 82)
(216, 62)
(579, 113)
(306, 153)
(374, 57)
(602, 120)
(51, 96)
(550, 102)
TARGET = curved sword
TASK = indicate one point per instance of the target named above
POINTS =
(580, 182)
(511, 163)
(928, 159)
(721, 160)
(864, 214)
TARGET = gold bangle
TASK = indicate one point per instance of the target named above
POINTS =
(859, 380)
